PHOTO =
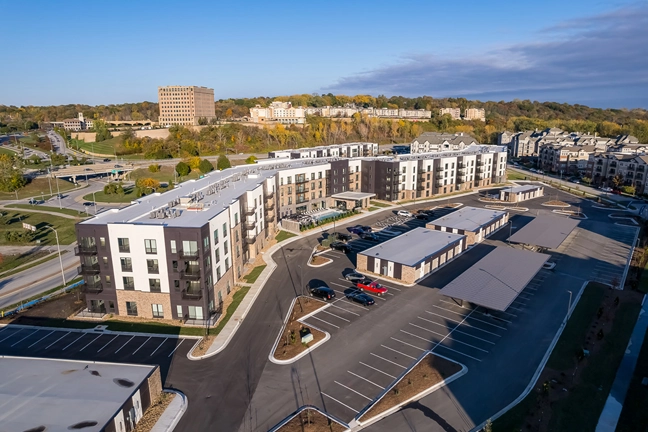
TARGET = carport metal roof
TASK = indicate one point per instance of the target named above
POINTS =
(495, 281)
(353, 195)
(546, 231)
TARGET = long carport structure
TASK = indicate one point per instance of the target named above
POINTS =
(546, 231)
(496, 280)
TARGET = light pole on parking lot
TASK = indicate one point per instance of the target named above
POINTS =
(570, 301)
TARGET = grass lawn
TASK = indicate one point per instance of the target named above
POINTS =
(66, 211)
(254, 274)
(513, 175)
(379, 204)
(103, 148)
(100, 196)
(634, 416)
(165, 175)
(373, 208)
(64, 226)
(34, 188)
(7, 152)
(579, 408)
(33, 262)
(236, 300)
(284, 235)
(10, 262)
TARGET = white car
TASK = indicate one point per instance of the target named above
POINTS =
(404, 213)
(549, 265)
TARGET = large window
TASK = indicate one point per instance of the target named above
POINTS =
(126, 264)
(217, 256)
(205, 243)
(195, 312)
(152, 266)
(225, 230)
(174, 248)
(124, 245)
(129, 283)
(216, 237)
(158, 312)
(150, 246)
(131, 308)
(154, 285)
(225, 248)
(189, 247)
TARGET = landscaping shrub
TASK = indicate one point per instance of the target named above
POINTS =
(205, 166)
(154, 168)
(182, 169)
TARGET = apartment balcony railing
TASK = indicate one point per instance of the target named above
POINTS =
(89, 269)
(249, 225)
(127, 268)
(92, 288)
(300, 180)
(269, 205)
(190, 273)
(438, 184)
(85, 250)
(250, 240)
(189, 254)
(269, 196)
(301, 200)
(439, 176)
(270, 218)
(420, 187)
(192, 294)
(440, 168)
(302, 189)
(479, 164)
(153, 269)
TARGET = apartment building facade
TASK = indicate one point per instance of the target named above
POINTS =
(429, 142)
(564, 158)
(612, 168)
(475, 114)
(75, 124)
(279, 112)
(347, 150)
(455, 113)
(185, 105)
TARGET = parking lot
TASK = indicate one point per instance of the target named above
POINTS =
(90, 345)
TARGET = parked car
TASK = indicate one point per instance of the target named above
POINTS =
(372, 286)
(88, 204)
(106, 160)
(118, 166)
(366, 228)
(341, 236)
(355, 229)
(354, 276)
(404, 213)
(549, 265)
(338, 245)
(323, 292)
(360, 297)
(422, 216)
(368, 236)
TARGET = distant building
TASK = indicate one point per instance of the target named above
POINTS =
(185, 105)
(75, 124)
(455, 113)
(280, 112)
(430, 142)
(349, 110)
(475, 114)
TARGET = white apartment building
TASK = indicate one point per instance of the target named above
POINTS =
(455, 113)
(475, 114)
(429, 142)
(75, 124)
(280, 112)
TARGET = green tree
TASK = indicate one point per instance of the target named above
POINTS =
(205, 166)
(102, 132)
(630, 190)
(11, 175)
(252, 159)
(223, 162)
(182, 169)
(154, 168)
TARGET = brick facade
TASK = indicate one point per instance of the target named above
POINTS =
(144, 301)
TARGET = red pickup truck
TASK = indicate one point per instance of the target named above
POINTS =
(370, 286)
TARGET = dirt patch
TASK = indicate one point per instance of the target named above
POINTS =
(203, 346)
(319, 260)
(61, 306)
(555, 203)
(290, 343)
(153, 413)
(429, 372)
(312, 421)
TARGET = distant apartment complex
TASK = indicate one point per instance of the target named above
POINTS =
(177, 255)
(280, 112)
(75, 124)
(469, 114)
(347, 150)
(439, 141)
(185, 105)
(615, 168)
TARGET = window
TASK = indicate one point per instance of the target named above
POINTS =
(152, 266)
(105, 261)
(174, 265)
(154, 285)
(217, 260)
(195, 312)
(176, 285)
(236, 221)
(238, 251)
(131, 308)
(225, 248)
(206, 243)
(189, 248)
(129, 283)
(126, 264)
(174, 249)
(289, 190)
(157, 311)
(107, 279)
(236, 233)
(227, 266)
(225, 230)
(215, 237)
(218, 273)
(124, 245)
(179, 311)
(102, 241)
(150, 246)
(289, 200)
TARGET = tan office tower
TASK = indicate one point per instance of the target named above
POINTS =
(185, 105)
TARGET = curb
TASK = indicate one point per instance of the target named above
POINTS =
(283, 422)
(158, 427)
(566, 213)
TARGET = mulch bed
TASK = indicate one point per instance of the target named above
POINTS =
(153, 413)
(556, 203)
(312, 421)
(290, 344)
(61, 307)
(318, 260)
(429, 372)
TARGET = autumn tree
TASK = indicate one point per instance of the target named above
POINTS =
(223, 162)
(102, 132)
(11, 175)
(182, 169)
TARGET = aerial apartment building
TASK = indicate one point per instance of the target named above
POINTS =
(455, 113)
(429, 142)
(185, 105)
(358, 149)
(75, 124)
(177, 255)
(279, 112)
(475, 114)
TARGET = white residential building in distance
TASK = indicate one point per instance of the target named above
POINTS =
(455, 113)
(475, 114)
(347, 150)
(75, 124)
(430, 142)
(279, 112)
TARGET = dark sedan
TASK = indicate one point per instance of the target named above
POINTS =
(341, 247)
(325, 293)
(368, 236)
(360, 297)
(341, 236)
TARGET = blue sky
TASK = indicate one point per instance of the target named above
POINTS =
(577, 51)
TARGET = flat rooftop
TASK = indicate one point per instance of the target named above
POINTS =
(467, 218)
(495, 281)
(59, 394)
(353, 195)
(412, 247)
(546, 230)
(524, 188)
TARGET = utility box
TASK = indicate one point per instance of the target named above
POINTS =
(306, 335)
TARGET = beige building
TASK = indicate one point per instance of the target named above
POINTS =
(185, 105)
(475, 114)
(455, 113)
(281, 112)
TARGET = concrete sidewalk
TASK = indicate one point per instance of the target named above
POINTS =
(172, 414)
(614, 403)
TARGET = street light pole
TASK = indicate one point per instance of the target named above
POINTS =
(94, 202)
(58, 246)
(570, 300)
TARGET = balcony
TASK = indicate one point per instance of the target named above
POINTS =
(192, 294)
(250, 240)
(301, 190)
(269, 196)
(249, 225)
(129, 286)
(439, 176)
(438, 184)
(190, 273)
(89, 269)
(480, 164)
(92, 288)
(300, 180)
(420, 187)
(440, 168)
(189, 254)
(270, 218)
(269, 206)
(85, 250)
(249, 211)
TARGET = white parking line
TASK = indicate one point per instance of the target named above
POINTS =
(408, 344)
(458, 352)
(16, 343)
(40, 339)
(458, 331)
(389, 361)
(427, 330)
(398, 352)
(88, 344)
(125, 344)
(378, 370)
(341, 403)
(468, 309)
(341, 308)
(326, 322)
(165, 339)
(178, 346)
(337, 316)
(363, 378)
(13, 334)
(142, 344)
(47, 347)
(460, 314)
(71, 343)
(356, 392)
(116, 336)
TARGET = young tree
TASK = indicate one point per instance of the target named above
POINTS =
(11, 175)
(252, 159)
(205, 166)
(194, 162)
(102, 132)
(154, 168)
(182, 169)
(223, 162)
